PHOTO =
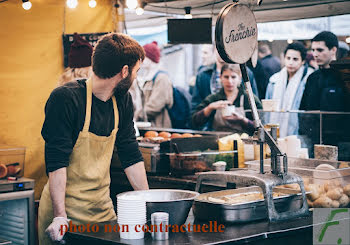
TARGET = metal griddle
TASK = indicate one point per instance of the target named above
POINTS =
(245, 211)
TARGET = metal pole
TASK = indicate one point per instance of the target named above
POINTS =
(250, 94)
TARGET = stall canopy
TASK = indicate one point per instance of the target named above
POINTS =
(282, 30)
(278, 19)
(157, 11)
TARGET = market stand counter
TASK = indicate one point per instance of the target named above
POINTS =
(294, 231)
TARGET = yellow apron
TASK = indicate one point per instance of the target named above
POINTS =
(88, 178)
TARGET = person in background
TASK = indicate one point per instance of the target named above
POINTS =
(231, 93)
(310, 60)
(323, 92)
(321, 85)
(136, 95)
(288, 86)
(271, 64)
(157, 88)
(79, 61)
(207, 59)
(343, 50)
(261, 77)
(84, 120)
(208, 82)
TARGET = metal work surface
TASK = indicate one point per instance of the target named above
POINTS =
(266, 182)
(205, 207)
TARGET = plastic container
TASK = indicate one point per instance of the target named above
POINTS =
(327, 181)
(131, 231)
(13, 158)
(190, 163)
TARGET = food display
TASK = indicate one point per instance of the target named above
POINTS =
(187, 135)
(11, 161)
(159, 137)
(190, 163)
(242, 198)
(165, 135)
(244, 204)
(151, 134)
(326, 152)
(327, 181)
(245, 151)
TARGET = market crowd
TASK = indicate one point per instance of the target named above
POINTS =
(303, 80)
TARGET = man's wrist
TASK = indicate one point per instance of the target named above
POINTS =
(61, 214)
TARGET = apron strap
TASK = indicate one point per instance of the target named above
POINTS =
(88, 105)
(88, 108)
(241, 103)
(116, 113)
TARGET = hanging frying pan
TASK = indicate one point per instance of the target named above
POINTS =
(236, 33)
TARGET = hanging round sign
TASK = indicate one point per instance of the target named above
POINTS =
(236, 33)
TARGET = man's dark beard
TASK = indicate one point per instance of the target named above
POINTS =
(123, 86)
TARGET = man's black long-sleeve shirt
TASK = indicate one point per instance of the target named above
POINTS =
(64, 119)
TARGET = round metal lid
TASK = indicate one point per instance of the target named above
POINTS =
(236, 33)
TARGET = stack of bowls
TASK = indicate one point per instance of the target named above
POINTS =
(131, 217)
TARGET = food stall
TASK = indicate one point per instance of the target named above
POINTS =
(28, 133)
(276, 212)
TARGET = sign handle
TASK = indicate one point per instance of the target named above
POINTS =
(249, 91)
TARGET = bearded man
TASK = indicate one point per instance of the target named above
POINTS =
(84, 120)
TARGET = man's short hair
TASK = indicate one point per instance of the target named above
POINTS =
(112, 52)
(328, 37)
(297, 46)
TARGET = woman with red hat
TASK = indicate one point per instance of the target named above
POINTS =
(157, 88)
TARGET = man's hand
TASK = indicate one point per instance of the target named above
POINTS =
(57, 228)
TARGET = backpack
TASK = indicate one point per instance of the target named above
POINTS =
(180, 112)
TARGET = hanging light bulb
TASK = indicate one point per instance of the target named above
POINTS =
(72, 4)
(188, 14)
(140, 9)
(26, 4)
(92, 3)
(131, 4)
(347, 40)
(290, 41)
(270, 40)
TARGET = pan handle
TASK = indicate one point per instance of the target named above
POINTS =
(219, 176)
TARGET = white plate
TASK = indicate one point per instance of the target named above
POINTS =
(143, 124)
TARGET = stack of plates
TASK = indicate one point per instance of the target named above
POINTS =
(131, 216)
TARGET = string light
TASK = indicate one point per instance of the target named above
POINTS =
(131, 4)
(188, 14)
(347, 40)
(72, 4)
(26, 4)
(140, 9)
(92, 3)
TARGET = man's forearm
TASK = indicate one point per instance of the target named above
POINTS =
(57, 184)
(137, 176)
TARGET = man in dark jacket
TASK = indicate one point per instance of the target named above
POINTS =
(323, 92)
(270, 64)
